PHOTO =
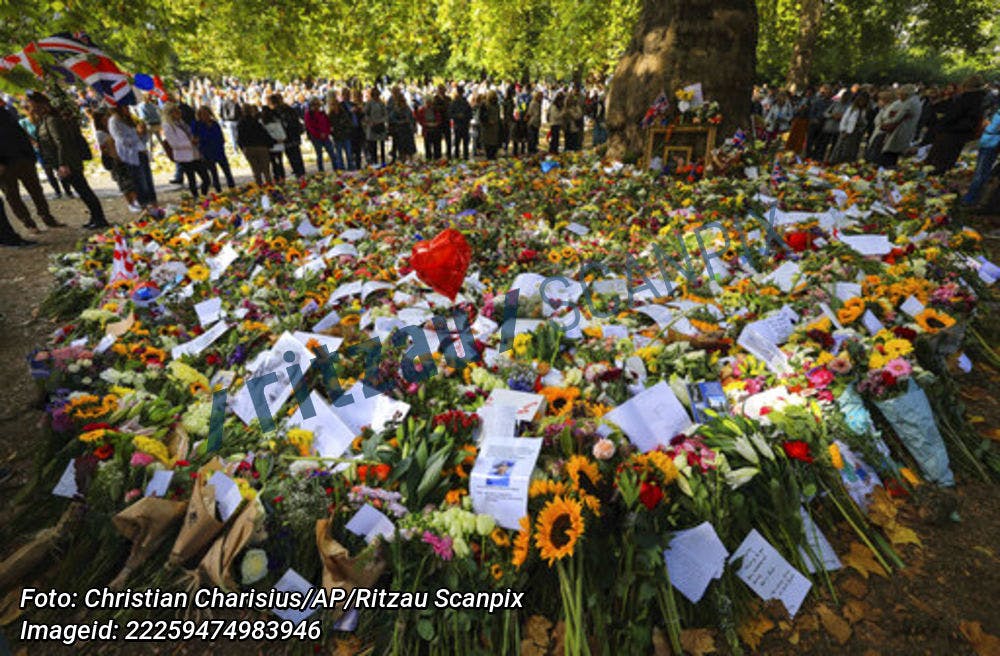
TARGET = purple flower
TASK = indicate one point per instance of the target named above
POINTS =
(441, 545)
(238, 355)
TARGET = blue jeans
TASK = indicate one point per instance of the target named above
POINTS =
(342, 156)
(142, 178)
(984, 165)
(327, 145)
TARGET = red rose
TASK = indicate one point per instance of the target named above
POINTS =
(797, 450)
(799, 241)
(650, 495)
(104, 452)
(888, 379)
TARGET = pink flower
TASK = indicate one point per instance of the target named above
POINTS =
(132, 494)
(140, 459)
(604, 449)
(898, 367)
(754, 386)
(820, 377)
(441, 545)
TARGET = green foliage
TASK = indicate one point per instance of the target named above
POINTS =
(929, 40)
(890, 39)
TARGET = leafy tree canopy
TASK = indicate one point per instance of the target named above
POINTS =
(858, 39)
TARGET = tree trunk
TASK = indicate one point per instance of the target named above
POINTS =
(677, 43)
(805, 44)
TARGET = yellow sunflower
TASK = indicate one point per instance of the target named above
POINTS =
(932, 321)
(500, 537)
(198, 273)
(543, 486)
(559, 526)
(853, 308)
(560, 399)
(522, 543)
(578, 465)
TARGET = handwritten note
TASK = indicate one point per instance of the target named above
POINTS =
(499, 480)
(768, 574)
(159, 484)
(694, 558)
(652, 417)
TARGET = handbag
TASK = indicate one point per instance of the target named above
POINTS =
(168, 149)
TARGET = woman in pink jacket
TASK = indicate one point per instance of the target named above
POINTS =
(318, 129)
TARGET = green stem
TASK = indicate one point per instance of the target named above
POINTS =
(861, 534)
(668, 606)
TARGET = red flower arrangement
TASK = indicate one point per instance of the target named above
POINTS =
(797, 450)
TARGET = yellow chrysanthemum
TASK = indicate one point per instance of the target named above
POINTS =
(301, 439)
(153, 447)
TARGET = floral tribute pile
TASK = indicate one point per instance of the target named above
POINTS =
(784, 388)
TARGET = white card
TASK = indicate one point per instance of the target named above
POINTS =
(66, 487)
(527, 284)
(830, 315)
(227, 494)
(371, 523)
(577, 229)
(868, 244)
(762, 345)
(964, 363)
(528, 405)
(988, 272)
(292, 581)
(768, 574)
(105, 344)
(307, 229)
(327, 322)
(331, 436)
(785, 277)
(375, 411)
(159, 483)
(694, 557)
(272, 361)
(483, 327)
(847, 290)
(652, 417)
(353, 234)
(201, 342)
(818, 545)
(501, 476)
(497, 421)
(218, 264)
(209, 311)
(331, 343)
(871, 322)
(341, 250)
(912, 306)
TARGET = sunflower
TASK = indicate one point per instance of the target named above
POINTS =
(559, 526)
(543, 486)
(555, 256)
(578, 465)
(560, 399)
(497, 571)
(932, 321)
(522, 543)
(597, 410)
(853, 308)
(350, 320)
(500, 537)
(198, 273)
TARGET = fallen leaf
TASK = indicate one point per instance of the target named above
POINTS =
(698, 642)
(983, 643)
(834, 624)
(861, 559)
(752, 630)
(807, 622)
(993, 434)
(855, 610)
(899, 534)
(10, 608)
(661, 646)
(977, 419)
(985, 551)
(855, 587)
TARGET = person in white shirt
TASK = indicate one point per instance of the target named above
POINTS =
(184, 149)
(852, 130)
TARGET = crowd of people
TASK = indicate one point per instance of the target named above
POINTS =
(880, 125)
(206, 123)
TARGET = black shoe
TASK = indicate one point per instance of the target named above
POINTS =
(18, 242)
(70, 194)
(96, 226)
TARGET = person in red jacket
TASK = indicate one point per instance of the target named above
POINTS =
(318, 129)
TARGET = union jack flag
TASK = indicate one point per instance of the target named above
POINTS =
(79, 54)
(24, 59)
(778, 174)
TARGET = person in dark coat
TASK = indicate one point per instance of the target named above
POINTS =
(490, 128)
(958, 126)
(460, 113)
(212, 145)
(255, 142)
(62, 147)
(19, 157)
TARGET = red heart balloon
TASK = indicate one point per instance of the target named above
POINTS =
(442, 262)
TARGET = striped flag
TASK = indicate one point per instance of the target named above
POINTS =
(90, 64)
(122, 267)
(24, 59)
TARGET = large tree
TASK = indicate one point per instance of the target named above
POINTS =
(681, 42)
